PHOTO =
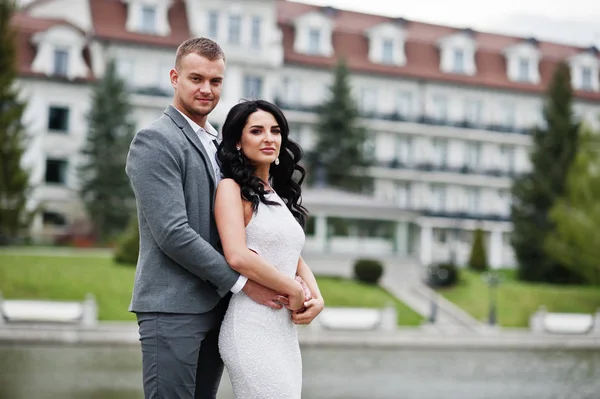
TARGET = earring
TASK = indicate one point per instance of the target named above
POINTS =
(277, 161)
(238, 148)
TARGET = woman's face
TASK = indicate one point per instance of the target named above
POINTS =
(261, 138)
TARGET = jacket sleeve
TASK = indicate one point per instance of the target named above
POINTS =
(156, 176)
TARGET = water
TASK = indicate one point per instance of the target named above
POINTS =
(113, 372)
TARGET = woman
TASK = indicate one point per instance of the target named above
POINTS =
(260, 219)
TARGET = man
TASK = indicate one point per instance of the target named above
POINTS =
(182, 283)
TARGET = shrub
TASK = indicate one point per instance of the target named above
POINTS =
(368, 270)
(478, 258)
(128, 247)
(442, 275)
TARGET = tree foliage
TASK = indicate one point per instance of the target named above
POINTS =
(576, 241)
(14, 178)
(534, 194)
(339, 156)
(105, 189)
(478, 259)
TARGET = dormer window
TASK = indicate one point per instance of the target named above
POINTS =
(148, 19)
(586, 78)
(457, 53)
(524, 70)
(61, 62)
(387, 51)
(459, 61)
(522, 62)
(585, 70)
(314, 41)
(386, 43)
(60, 52)
(314, 31)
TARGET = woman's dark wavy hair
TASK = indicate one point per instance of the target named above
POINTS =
(285, 178)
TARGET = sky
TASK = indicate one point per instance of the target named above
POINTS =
(567, 21)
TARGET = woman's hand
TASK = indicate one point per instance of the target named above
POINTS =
(296, 297)
(307, 293)
(311, 309)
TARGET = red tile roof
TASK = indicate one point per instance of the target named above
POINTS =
(110, 16)
(349, 40)
(26, 27)
(422, 53)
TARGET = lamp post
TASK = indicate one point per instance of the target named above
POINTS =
(492, 278)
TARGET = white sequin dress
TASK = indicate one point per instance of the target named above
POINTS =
(259, 345)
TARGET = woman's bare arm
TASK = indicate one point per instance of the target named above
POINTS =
(229, 215)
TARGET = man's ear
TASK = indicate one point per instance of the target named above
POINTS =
(174, 77)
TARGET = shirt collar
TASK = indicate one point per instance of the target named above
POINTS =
(195, 127)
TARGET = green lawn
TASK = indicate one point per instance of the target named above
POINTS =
(71, 277)
(517, 301)
(349, 293)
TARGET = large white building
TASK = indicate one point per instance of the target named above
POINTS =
(448, 110)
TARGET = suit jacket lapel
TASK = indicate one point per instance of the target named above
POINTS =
(185, 127)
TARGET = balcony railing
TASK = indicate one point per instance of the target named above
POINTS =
(421, 119)
(466, 215)
(430, 167)
(151, 91)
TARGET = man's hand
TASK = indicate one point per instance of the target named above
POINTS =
(264, 296)
(311, 309)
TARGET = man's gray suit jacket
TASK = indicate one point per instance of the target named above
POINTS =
(178, 270)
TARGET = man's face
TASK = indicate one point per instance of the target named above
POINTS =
(198, 83)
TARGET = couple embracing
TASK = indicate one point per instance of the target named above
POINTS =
(220, 279)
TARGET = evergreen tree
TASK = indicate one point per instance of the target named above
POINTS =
(127, 251)
(576, 242)
(534, 194)
(478, 259)
(14, 179)
(105, 188)
(339, 153)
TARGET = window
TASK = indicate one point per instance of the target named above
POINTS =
(524, 70)
(473, 111)
(314, 41)
(473, 155)
(213, 24)
(255, 33)
(586, 78)
(235, 28)
(368, 100)
(291, 91)
(440, 152)
(54, 219)
(403, 198)
(148, 19)
(404, 151)
(473, 200)
(440, 108)
(404, 104)
(509, 115)
(61, 62)
(459, 61)
(508, 155)
(438, 196)
(125, 69)
(56, 171)
(387, 56)
(253, 87)
(58, 119)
